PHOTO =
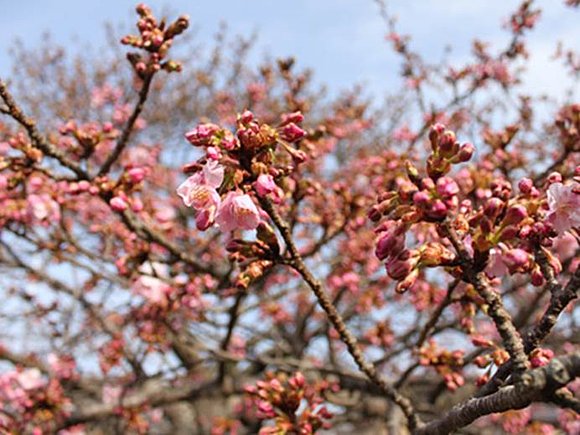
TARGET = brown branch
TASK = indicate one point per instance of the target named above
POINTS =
(559, 300)
(535, 385)
(143, 230)
(553, 167)
(496, 310)
(153, 393)
(129, 126)
(564, 398)
(427, 329)
(337, 321)
(110, 328)
(234, 313)
(38, 140)
(432, 322)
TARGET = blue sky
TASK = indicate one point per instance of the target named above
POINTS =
(342, 40)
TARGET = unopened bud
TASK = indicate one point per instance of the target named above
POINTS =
(412, 171)
(448, 145)
(525, 185)
(465, 153)
(515, 214)
(434, 134)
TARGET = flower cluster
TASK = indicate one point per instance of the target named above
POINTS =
(30, 402)
(501, 230)
(238, 169)
(293, 404)
(156, 39)
(448, 364)
(428, 199)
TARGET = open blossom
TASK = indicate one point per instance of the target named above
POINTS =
(564, 204)
(503, 260)
(237, 211)
(153, 289)
(150, 286)
(30, 379)
(199, 191)
(43, 208)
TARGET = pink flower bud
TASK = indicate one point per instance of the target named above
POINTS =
(537, 277)
(434, 134)
(136, 175)
(265, 184)
(407, 282)
(213, 153)
(509, 233)
(295, 117)
(202, 134)
(447, 187)
(438, 210)
(448, 145)
(493, 208)
(142, 9)
(246, 117)
(399, 267)
(137, 205)
(266, 409)
(374, 214)
(481, 341)
(465, 153)
(390, 244)
(118, 204)
(276, 385)
(554, 177)
(541, 357)
(292, 133)
(297, 381)
(515, 214)
(516, 260)
(421, 198)
(525, 185)
(205, 218)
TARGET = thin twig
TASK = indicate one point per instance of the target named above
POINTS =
(129, 126)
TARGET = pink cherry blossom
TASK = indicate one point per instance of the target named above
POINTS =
(564, 204)
(30, 379)
(43, 207)
(150, 285)
(237, 211)
(199, 191)
(496, 266)
(153, 289)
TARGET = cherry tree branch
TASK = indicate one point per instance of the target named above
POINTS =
(337, 321)
(500, 316)
(537, 385)
(129, 126)
(38, 140)
(559, 300)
